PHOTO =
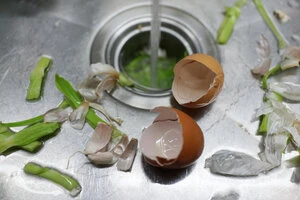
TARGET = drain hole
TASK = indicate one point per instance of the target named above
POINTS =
(124, 38)
(134, 61)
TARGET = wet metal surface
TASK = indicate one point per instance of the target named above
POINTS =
(64, 30)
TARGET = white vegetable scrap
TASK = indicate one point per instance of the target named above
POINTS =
(96, 149)
(290, 57)
(101, 149)
(294, 130)
(77, 116)
(263, 50)
(102, 77)
(234, 163)
(87, 88)
(56, 115)
(264, 109)
(99, 139)
(281, 16)
(288, 90)
(126, 160)
(274, 145)
(101, 109)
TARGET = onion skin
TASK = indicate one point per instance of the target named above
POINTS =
(193, 144)
(215, 89)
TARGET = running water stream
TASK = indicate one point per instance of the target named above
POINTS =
(154, 40)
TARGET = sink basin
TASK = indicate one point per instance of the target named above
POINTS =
(66, 30)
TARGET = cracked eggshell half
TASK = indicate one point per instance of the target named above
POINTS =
(198, 79)
(174, 140)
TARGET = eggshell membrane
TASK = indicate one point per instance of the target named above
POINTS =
(192, 136)
(198, 79)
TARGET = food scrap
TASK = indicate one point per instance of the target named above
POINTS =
(174, 140)
(36, 78)
(282, 43)
(279, 125)
(55, 176)
(281, 16)
(198, 79)
(263, 50)
(28, 135)
(101, 150)
(231, 16)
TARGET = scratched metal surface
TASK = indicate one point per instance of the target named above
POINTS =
(64, 30)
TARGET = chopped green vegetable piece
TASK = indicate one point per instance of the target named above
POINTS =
(260, 7)
(55, 176)
(74, 98)
(33, 120)
(267, 75)
(231, 16)
(263, 127)
(26, 122)
(294, 162)
(4, 129)
(37, 77)
(124, 81)
(28, 135)
(31, 147)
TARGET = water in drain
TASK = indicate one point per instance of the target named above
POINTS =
(135, 60)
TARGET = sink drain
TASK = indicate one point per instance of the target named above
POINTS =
(126, 33)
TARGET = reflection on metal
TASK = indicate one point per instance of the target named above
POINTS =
(65, 30)
(128, 31)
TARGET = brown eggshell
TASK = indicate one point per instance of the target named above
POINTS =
(192, 139)
(198, 79)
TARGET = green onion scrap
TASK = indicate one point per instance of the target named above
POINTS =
(74, 98)
(55, 176)
(231, 16)
(260, 7)
(34, 120)
(36, 78)
(28, 135)
(31, 147)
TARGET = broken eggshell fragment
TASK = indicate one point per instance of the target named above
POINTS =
(174, 140)
(198, 79)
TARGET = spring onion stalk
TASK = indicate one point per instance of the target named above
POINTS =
(263, 126)
(231, 16)
(124, 81)
(28, 135)
(260, 7)
(55, 176)
(293, 162)
(31, 147)
(34, 120)
(75, 100)
(267, 75)
(36, 78)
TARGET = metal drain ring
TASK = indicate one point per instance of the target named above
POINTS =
(114, 34)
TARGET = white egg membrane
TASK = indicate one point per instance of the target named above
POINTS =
(162, 139)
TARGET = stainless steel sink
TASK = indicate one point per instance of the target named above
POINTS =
(66, 30)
